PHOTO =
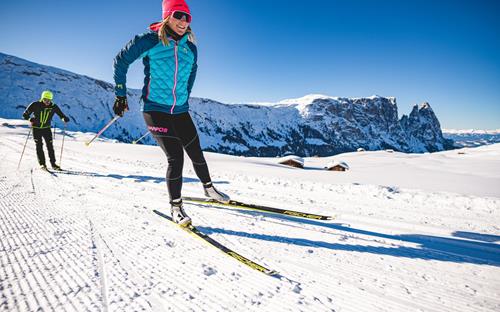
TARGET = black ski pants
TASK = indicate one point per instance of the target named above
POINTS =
(44, 134)
(174, 134)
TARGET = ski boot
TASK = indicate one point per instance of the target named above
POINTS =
(44, 167)
(179, 216)
(213, 193)
(56, 167)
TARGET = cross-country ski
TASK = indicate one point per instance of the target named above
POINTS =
(241, 205)
(191, 229)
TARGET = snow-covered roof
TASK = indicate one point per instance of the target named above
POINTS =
(293, 158)
(335, 163)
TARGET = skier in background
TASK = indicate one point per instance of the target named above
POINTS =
(170, 59)
(43, 111)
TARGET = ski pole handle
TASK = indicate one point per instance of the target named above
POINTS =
(103, 129)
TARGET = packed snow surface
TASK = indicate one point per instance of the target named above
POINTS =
(412, 232)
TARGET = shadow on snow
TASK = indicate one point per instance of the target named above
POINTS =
(429, 247)
(135, 178)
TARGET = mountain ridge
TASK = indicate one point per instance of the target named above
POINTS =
(312, 125)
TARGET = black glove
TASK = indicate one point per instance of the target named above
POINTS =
(65, 119)
(120, 105)
(32, 121)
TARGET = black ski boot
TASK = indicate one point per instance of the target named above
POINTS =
(56, 167)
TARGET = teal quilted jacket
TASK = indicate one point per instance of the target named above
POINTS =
(169, 71)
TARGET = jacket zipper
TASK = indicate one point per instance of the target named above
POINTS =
(175, 77)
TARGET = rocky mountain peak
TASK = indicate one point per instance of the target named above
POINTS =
(312, 125)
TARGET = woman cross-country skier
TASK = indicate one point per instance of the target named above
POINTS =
(170, 59)
(43, 112)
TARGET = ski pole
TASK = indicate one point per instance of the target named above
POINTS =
(62, 145)
(19, 165)
(142, 137)
(103, 129)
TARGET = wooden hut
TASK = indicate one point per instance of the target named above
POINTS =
(292, 161)
(336, 165)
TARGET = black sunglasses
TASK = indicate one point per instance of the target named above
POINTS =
(179, 15)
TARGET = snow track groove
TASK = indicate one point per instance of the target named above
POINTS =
(99, 264)
(42, 248)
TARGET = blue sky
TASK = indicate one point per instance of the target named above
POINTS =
(446, 52)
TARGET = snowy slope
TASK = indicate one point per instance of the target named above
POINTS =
(413, 232)
(471, 137)
(88, 102)
(311, 125)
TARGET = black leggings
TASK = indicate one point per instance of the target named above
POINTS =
(174, 134)
(45, 134)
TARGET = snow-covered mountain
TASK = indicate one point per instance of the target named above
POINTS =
(471, 137)
(423, 129)
(312, 125)
(87, 101)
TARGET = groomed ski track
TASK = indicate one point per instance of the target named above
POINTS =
(87, 240)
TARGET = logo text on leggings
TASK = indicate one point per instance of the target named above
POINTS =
(158, 129)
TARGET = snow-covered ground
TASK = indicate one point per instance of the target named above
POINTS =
(413, 232)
